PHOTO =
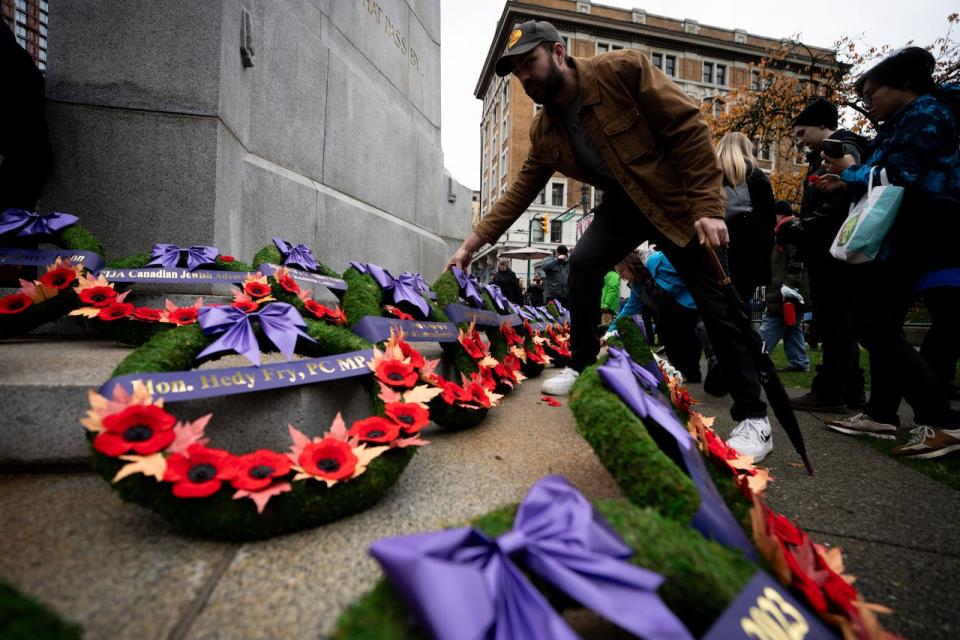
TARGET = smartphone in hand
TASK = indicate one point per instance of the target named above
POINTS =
(832, 148)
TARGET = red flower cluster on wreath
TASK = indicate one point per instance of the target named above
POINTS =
(814, 572)
(58, 276)
(199, 471)
(397, 313)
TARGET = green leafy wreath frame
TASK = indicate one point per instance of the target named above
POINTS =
(308, 504)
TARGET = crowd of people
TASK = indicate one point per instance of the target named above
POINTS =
(617, 122)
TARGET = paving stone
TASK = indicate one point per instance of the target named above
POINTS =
(116, 569)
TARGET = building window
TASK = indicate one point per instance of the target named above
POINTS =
(21, 17)
(603, 47)
(536, 229)
(505, 127)
(542, 197)
(22, 5)
(714, 73)
(503, 164)
(43, 14)
(556, 194)
(755, 79)
(44, 6)
(506, 92)
(556, 231)
(666, 63)
(762, 150)
(43, 30)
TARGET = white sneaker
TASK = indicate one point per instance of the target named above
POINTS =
(560, 384)
(752, 437)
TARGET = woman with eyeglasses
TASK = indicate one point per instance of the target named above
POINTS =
(917, 144)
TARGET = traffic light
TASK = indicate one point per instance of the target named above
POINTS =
(545, 225)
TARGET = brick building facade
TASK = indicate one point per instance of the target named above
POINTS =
(28, 21)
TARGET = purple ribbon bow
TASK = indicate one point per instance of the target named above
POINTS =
(407, 287)
(298, 256)
(32, 223)
(168, 256)
(638, 388)
(280, 322)
(498, 298)
(469, 287)
(463, 584)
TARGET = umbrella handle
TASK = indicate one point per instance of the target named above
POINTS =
(717, 266)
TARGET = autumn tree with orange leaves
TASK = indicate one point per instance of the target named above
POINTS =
(792, 74)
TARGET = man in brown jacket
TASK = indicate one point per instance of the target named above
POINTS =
(617, 122)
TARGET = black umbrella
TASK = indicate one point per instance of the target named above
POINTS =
(766, 371)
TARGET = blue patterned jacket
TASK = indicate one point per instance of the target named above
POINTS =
(918, 147)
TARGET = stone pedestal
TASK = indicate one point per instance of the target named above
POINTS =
(331, 137)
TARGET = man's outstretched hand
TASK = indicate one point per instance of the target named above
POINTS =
(712, 231)
(464, 254)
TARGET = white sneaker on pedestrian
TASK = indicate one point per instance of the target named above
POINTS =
(560, 384)
(862, 424)
(752, 437)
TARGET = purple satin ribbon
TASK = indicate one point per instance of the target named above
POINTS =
(169, 255)
(469, 287)
(499, 300)
(463, 584)
(280, 322)
(407, 287)
(298, 256)
(638, 387)
(31, 223)
(560, 309)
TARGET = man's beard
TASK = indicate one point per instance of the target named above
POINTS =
(544, 92)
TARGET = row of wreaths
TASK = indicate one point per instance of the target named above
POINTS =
(156, 461)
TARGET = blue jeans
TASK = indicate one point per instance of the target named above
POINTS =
(772, 329)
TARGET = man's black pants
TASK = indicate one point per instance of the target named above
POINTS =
(618, 227)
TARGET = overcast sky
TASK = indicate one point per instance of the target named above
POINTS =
(468, 26)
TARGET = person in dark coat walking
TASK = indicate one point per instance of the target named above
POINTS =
(506, 279)
(556, 270)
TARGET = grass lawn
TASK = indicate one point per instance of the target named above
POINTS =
(945, 470)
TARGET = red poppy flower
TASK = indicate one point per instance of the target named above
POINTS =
(510, 334)
(416, 359)
(330, 459)
(392, 310)
(227, 258)
(256, 289)
(255, 471)
(143, 429)
(336, 315)
(15, 303)
(553, 402)
(485, 377)
(116, 311)
(411, 416)
(98, 296)
(396, 373)
(375, 429)
(470, 346)
(146, 313)
(288, 283)
(200, 472)
(59, 278)
(183, 315)
(246, 306)
(477, 394)
(451, 391)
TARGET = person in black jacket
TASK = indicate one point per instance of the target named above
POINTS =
(506, 279)
(750, 214)
(556, 270)
(839, 380)
(535, 292)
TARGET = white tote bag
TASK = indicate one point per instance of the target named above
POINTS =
(862, 233)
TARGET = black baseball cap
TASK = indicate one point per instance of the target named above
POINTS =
(523, 38)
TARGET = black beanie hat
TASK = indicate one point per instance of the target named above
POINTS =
(819, 113)
(561, 250)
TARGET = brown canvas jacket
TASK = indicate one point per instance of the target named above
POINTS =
(651, 134)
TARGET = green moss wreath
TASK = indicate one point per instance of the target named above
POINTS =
(306, 504)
